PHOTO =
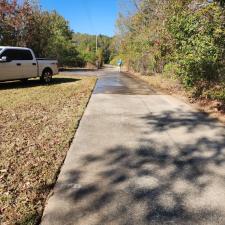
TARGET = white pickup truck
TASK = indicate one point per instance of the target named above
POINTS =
(21, 64)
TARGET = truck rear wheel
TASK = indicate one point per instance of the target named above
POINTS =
(46, 76)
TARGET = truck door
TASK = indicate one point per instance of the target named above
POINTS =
(28, 63)
(11, 69)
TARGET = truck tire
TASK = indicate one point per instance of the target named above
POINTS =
(46, 76)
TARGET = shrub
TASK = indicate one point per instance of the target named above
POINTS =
(198, 51)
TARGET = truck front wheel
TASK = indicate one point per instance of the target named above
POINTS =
(46, 76)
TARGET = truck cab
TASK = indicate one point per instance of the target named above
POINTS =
(20, 64)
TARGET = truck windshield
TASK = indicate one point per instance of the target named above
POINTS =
(0, 49)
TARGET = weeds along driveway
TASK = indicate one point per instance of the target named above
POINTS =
(140, 158)
(37, 124)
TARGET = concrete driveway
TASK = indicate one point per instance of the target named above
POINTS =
(140, 158)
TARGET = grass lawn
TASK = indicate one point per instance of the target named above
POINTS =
(37, 124)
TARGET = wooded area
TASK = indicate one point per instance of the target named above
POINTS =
(49, 34)
(180, 39)
(86, 46)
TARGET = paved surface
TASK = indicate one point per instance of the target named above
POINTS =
(140, 158)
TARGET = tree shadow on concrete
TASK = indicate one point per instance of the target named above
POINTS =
(179, 118)
(154, 182)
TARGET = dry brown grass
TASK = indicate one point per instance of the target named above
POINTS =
(37, 124)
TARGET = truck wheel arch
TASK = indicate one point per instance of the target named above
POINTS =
(47, 69)
(46, 76)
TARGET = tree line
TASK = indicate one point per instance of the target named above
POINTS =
(92, 50)
(181, 38)
(48, 34)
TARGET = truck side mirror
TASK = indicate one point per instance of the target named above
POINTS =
(4, 59)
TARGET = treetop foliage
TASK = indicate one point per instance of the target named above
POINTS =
(86, 45)
(48, 34)
(185, 36)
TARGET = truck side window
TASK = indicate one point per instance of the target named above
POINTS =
(25, 55)
(17, 54)
(11, 54)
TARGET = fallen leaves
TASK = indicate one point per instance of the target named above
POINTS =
(37, 124)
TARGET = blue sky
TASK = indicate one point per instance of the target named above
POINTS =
(86, 16)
